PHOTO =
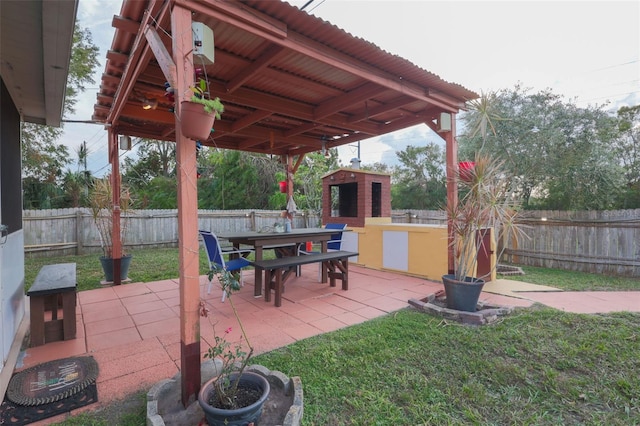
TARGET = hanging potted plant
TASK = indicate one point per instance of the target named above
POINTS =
(101, 203)
(486, 212)
(234, 396)
(198, 114)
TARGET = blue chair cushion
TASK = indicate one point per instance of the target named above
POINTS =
(235, 264)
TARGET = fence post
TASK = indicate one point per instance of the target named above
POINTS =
(409, 217)
(252, 217)
(79, 234)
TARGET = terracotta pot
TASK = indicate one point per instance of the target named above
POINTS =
(241, 416)
(195, 123)
(462, 295)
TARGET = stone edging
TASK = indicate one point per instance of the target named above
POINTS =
(486, 313)
(208, 371)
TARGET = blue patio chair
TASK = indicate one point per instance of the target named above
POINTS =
(334, 244)
(216, 257)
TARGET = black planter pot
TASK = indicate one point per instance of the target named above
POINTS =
(462, 295)
(241, 416)
(107, 267)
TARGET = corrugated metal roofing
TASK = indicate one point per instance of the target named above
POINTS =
(319, 83)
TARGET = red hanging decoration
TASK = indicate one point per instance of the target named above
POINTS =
(465, 170)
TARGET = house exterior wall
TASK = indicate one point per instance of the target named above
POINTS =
(12, 299)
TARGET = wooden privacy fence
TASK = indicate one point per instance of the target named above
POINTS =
(64, 232)
(604, 242)
(591, 241)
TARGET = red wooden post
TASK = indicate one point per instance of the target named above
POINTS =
(187, 214)
(116, 242)
(452, 187)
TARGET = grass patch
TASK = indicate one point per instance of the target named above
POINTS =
(575, 281)
(537, 366)
(161, 264)
(146, 266)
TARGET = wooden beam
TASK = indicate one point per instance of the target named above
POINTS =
(245, 18)
(117, 56)
(249, 119)
(298, 162)
(381, 109)
(263, 61)
(347, 100)
(277, 75)
(301, 129)
(162, 55)
(287, 107)
(138, 60)
(125, 24)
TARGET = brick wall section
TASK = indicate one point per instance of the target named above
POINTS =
(364, 180)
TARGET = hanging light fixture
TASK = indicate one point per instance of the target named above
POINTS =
(325, 151)
(149, 103)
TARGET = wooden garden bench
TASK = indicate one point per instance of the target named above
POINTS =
(53, 288)
(278, 270)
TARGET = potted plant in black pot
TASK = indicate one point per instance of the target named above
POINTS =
(198, 114)
(234, 396)
(486, 213)
(101, 203)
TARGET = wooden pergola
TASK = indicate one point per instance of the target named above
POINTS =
(291, 84)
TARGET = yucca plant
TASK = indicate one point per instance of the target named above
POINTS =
(101, 202)
(486, 202)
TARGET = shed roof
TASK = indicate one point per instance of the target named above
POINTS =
(290, 81)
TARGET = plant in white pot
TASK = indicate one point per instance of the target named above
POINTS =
(234, 396)
(101, 203)
(486, 213)
(198, 114)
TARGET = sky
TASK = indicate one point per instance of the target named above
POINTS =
(585, 51)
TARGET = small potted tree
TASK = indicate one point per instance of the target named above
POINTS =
(487, 206)
(101, 203)
(234, 396)
(198, 114)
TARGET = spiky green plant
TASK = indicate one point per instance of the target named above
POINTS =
(201, 96)
(101, 203)
(486, 202)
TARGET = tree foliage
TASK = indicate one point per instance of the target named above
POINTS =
(420, 181)
(559, 153)
(627, 149)
(308, 180)
(236, 180)
(43, 159)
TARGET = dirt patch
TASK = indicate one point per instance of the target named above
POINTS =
(283, 406)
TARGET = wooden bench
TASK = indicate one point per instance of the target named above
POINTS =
(53, 288)
(278, 270)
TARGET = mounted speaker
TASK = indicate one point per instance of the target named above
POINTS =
(125, 143)
(203, 47)
(443, 124)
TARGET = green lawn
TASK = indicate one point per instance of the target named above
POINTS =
(575, 281)
(536, 366)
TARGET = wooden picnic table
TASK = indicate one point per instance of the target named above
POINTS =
(268, 240)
